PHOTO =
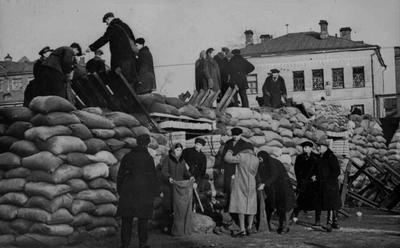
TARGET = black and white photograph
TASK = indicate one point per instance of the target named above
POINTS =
(199, 123)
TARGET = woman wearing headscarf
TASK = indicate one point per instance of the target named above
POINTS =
(200, 79)
(275, 182)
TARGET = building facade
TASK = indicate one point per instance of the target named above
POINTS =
(318, 66)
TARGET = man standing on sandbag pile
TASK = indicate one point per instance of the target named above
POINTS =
(57, 72)
(211, 71)
(137, 187)
(96, 64)
(274, 90)
(120, 36)
(238, 68)
(222, 60)
(196, 159)
(145, 69)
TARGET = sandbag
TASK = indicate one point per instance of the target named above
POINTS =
(12, 185)
(272, 150)
(33, 240)
(12, 198)
(164, 108)
(79, 206)
(285, 123)
(239, 113)
(3, 128)
(258, 140)
(44, 132)
(62, 174)
(93, 121)
(122, 119)
(105, 157)
(81, 131)
(9, 160)
(19, 172)
(82, 219)
(93, 171)
(54, 119)
(24, 148)
(130, 142)
(105, 210)
(95, 145)
(103, 231)
(115, 144)
(62, 201)
(17, 129)
(285, 132)
(63, 144)
(47, 104)
(140, 130)
(149, 98)
(6, 142)
(6, 240)
(101, 183)
(50, 191)
(93, 110)
(161, 139)
(174, 101)
(5, 228)
(77, 158)
(103, 133)
(8, 212)
(208, 113)
(190, 110)
(203, 223)
(98, 196)
(77, 185)
(270, 136)
(55, 230)
(21, 225)
(122, 132)
(45, 161)
(102, 221)
(13, 114)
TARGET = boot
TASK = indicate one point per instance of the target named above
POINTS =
(317, 218)
(335, 223)
(329, 221)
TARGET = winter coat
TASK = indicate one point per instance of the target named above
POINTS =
(273, 91)
(95, 64)
(62, 60)
(174, 168)
(196, 161)
(136, 184)
(212, 73)
(308, 191)
(223, 62)
(238, 68)
(117, 34)
(200, 78)
(329, 170)
(145, 69)
(243, 198)
(279, 191)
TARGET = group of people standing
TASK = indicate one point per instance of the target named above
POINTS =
(221, 71)
(55, 70)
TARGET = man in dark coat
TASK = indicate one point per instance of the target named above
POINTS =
(96, 64)
(211, 71)
(330, 196)
(238, 68)
(222, 61)
(145, 69)
(200, 78)
(56, 72)
(196, 160)
(31, 89)
(308, 182)
(274, 90)
(119, 35)
(137, 187)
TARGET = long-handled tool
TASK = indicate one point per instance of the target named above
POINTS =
(198, 200)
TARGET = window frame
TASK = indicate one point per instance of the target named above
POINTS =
(333, 81)
(363, 74)
(322, 82)
(250, 83)
(294, 82)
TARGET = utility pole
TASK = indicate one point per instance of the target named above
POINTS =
(287, 28)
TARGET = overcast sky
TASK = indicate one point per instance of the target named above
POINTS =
(176, 30)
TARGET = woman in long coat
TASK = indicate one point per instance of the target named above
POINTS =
(145, 69)
(243, 200)
(280, 195)
(137, 187)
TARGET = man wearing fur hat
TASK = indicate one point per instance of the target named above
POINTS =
(274, 90)
(196, 159)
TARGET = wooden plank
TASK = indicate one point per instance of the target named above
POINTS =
(372, 177)
(199, 97)
(194, 96)
(211, 102)
(210, 96)
(208, 92)
(345, 183)
(228, 101)
(224, 98)
(362, 199)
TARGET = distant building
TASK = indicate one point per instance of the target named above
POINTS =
(308, 60)
(14, 77)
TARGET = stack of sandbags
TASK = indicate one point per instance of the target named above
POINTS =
(394, 149)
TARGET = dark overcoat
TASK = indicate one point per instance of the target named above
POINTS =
(238, 68)
(196, 161)
(279, 191)
(329, 171)
(308, 191)
(273, 91)
(95, 64)
(200, 78)
(223, 62)
(211, 71)
(136, 184)
(145, 68)
(117, 34)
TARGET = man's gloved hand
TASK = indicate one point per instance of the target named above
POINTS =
(261, 187)
(171, 181)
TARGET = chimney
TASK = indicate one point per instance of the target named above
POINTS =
(324, 29)
(265, 37)
(249, 37)
(7, 58)
(345, 33)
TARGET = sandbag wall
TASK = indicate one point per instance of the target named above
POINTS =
(58, 167)
(394, 149)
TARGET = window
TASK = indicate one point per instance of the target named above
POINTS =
(253, 84)
(298, 81)
(358, 77)
(318, 79)
(17, 84)
(359, 108)
(337, 78)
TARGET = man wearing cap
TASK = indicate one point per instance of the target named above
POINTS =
(307, 177)
(329, 170)
(274, 90)
(137, 187)
(196, 159)
(96, 64)
(119, 35)
(145, 69)
(238, 68)
(222, 61)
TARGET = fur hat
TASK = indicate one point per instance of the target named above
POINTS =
(77, 46)
(236, 52)
(200, 140)
(236, 131)
(107, 15)
(143, 140)
(140, 41)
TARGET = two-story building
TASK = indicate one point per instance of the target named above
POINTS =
(316, 65)
(14, 77)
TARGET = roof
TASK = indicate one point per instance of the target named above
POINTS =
(15, 68)
(304, 42)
